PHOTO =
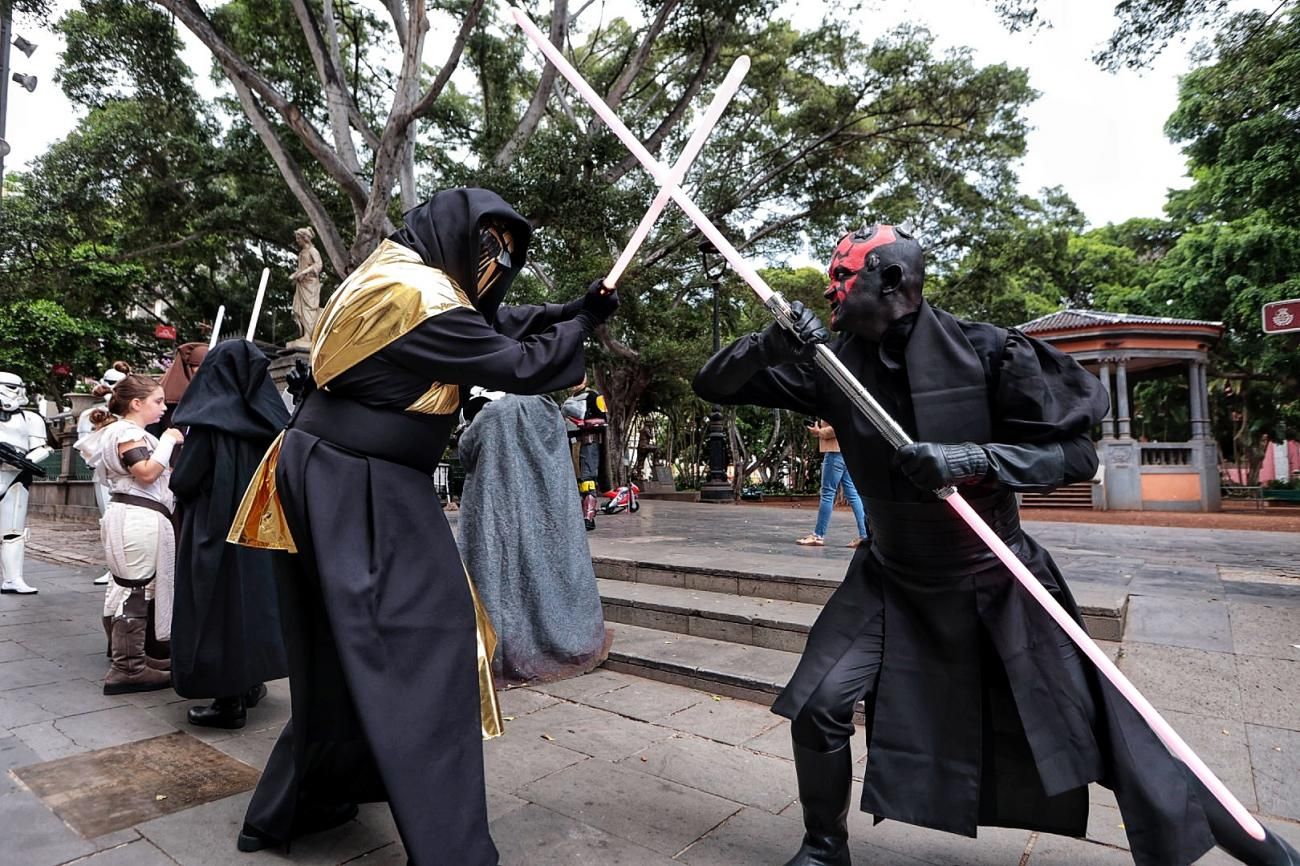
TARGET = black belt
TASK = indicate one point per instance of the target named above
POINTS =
(930, 538)
(398, 437)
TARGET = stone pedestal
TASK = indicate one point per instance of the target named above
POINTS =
(282, 364)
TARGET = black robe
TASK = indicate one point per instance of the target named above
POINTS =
(379, 619)
(226, 621)
(979, 715)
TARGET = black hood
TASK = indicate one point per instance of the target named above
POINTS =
(232, 391)
(444, 232)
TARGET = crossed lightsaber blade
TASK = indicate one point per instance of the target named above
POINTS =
(669, 181)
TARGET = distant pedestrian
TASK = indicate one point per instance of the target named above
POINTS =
(104, 390)
(834, 476)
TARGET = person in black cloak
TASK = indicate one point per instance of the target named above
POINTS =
(979, 709)
(226, 639)
(389, 653)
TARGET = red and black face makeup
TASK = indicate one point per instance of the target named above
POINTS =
(853, 258)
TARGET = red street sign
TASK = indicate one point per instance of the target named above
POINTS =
(1282, 316)
(164, 332)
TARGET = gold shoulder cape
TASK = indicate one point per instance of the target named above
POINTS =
(386, 297)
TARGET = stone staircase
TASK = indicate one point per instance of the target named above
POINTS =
(739, 634)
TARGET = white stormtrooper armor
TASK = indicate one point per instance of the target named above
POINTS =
(84, 427)
(25, 431)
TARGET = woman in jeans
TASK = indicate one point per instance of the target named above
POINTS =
(833, 475)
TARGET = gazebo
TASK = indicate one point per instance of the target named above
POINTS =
(1122, 350)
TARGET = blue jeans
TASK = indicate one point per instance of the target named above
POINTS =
(833, 475)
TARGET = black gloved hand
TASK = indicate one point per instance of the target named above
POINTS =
(298, 381)
(781, 345)
(933, 466)
(599, 301)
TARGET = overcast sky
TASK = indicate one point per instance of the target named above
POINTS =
(1097, 134)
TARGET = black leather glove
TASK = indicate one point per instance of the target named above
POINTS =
(599, 301)
(298, 381)
(933, 466)
(781, 345)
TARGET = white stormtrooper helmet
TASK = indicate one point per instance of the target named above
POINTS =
(13, 393)
(480, 393)
(111, 377)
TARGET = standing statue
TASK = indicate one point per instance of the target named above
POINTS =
(306, 281)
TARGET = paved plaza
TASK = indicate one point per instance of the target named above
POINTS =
(620, 770)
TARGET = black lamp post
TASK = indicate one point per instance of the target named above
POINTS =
(716, 488)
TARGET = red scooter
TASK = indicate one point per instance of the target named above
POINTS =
(623, 497)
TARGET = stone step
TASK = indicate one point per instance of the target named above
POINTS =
(1104, 607)
(716, 666)
(760, 622)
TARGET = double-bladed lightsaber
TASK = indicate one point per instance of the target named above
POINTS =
(669, 181)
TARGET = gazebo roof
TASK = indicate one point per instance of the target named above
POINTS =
(1144, 343)
(1069, 320)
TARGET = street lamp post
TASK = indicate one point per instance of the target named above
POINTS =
(27, 81)
(716, 488)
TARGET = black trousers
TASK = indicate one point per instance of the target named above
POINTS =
(826, 721)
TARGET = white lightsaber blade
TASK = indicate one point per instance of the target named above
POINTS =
(257, 305)
(216, 327)
(895, 434)
(721, 99)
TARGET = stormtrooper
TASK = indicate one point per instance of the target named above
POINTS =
(23, 432)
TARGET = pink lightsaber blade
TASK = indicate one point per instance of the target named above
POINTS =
(895, 434)
(721, 100)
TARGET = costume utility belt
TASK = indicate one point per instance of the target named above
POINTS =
(928, 539)
(145, 502)
(397, 437)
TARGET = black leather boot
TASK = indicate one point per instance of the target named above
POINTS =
(1273, 850)
(254, 695)
(825, 783)
(222, 713)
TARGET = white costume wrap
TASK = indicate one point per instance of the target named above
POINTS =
(138, 542)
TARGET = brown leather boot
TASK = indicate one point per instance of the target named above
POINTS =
(108, 633)
(129, 672)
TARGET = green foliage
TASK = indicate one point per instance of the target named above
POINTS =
(40, 334)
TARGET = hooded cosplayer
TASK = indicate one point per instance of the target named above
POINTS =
(541, 590)
(225, 621)
(979, 709)
(389, 657)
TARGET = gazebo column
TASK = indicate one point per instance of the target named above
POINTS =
(1194, 395)
(1108, 422)
(1204, 393)
(1121, 385)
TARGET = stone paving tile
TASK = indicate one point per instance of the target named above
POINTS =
(777, 742)
(726, 720)
(34, 836)
(536, 836)
(30, 672)
(251, 747)
(1199, 622)
(1221, 743)
(655, 813)
(139, 853)
(1106, 826)
(1270, 691)
(392, 854)
(14, 753)
(205, 836)
(586, 686)
(111, 727)
(11, 650)
(1265, 630)
(1192, 681)
(500, 804)
(47, 741)
(68, 698)
(521, 702)
(648, 700)
(1273, 753)
(738, 775)
(597, 733)
(752, 836)
(511, 762)
(1062, 851)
